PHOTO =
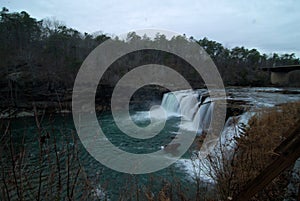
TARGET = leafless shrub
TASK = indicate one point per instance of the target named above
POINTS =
(50, 170)
(253, 151)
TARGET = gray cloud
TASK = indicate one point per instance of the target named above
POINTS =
(270, 25)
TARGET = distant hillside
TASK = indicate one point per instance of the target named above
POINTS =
(43, 56)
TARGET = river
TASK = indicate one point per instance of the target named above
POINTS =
(109, 183)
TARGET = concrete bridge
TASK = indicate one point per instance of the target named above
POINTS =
(280, 74)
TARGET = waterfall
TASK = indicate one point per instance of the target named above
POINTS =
(195, 109)
(187, 106)
(170, 103)
(202, 118)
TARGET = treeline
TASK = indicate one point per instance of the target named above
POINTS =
(45, 51)
(46, 55)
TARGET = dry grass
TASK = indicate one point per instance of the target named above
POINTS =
(254, 150)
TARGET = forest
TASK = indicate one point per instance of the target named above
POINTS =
(40, 57)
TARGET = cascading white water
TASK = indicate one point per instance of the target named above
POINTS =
(196, 115)
(198, 122)
(187, 106)
(170, 103)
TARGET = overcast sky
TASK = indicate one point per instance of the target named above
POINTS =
(268, 25)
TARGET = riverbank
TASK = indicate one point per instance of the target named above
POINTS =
(253, 150)
(60, 102)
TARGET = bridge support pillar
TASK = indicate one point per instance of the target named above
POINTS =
(280, 78)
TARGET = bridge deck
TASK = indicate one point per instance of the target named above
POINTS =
(287, 68)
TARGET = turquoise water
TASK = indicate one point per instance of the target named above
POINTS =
(134, 145)
(113, 183)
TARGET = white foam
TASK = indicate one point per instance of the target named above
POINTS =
(199, 169)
